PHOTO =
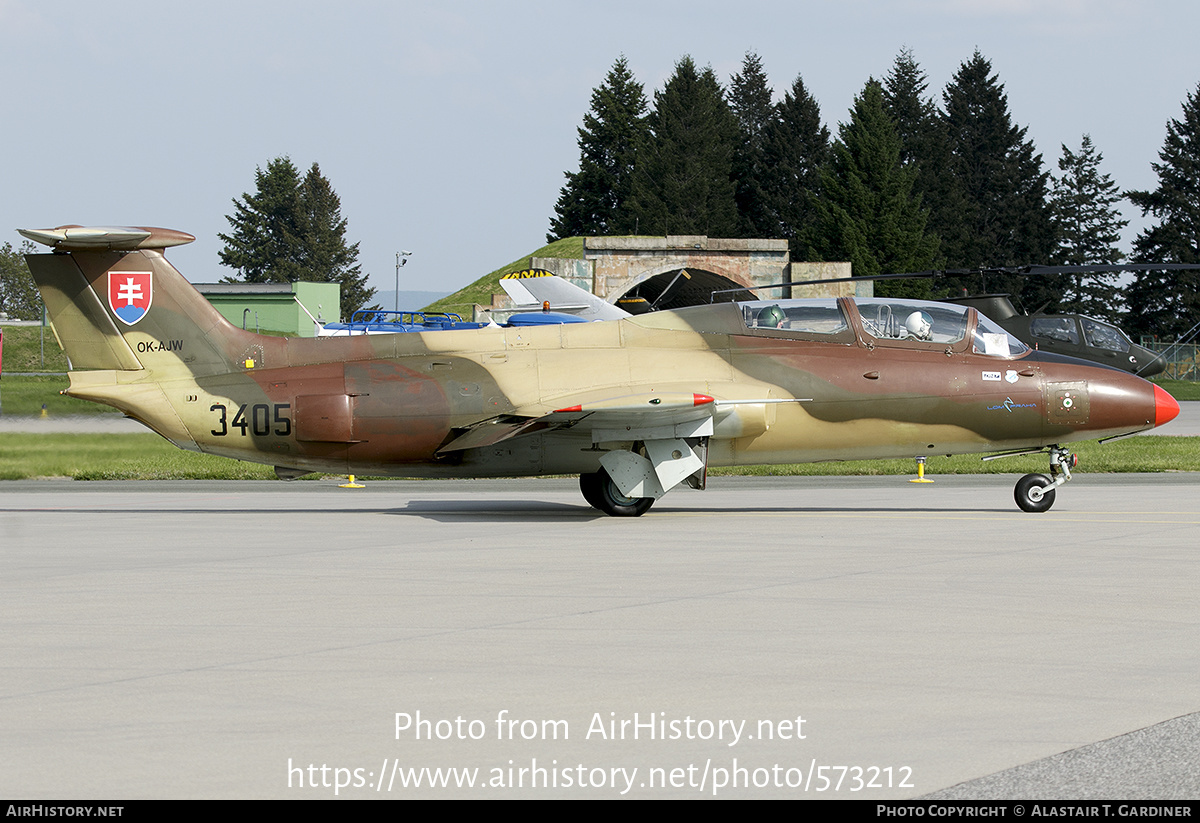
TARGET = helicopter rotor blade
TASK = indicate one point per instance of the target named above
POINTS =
(986, 270)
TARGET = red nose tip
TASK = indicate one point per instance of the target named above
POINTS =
(1165, 407)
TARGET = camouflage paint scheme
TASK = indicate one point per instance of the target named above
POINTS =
(657, 397)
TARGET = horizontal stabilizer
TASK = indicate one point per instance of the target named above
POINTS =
(107, 238)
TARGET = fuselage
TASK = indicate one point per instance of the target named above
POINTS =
(834, 381)
(635, 406)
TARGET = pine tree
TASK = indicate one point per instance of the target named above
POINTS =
(914, 114)
(264, 245)
(292, 230)
(750, 101)
(1168, 303)
(796, 147)
(1089, 228)
(19, 297)
(595, 199)
(868, 213)
(997, 213)
(923, 138)
(327, 257)
(682, 178)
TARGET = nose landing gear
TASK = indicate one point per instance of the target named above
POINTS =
(1035, 492)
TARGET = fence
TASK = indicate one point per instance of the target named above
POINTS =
(1183, 360)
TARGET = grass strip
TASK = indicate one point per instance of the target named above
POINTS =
(149, 457)
(25, 396)
(114, 457)
(1181, 389)
(32, 348)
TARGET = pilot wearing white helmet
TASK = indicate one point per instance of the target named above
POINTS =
(919, 325)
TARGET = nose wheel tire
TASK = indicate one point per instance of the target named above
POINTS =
(602, 493)
(1033, 493)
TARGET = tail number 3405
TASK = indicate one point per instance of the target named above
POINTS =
(263, 419)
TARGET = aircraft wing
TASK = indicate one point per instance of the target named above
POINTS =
(630, 417)
(673, 427)
(534, 287)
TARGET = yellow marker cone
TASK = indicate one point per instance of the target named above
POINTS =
(920, 478)
(44, 412)
(351, 484)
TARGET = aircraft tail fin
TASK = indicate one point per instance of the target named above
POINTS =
(115, 303)
(537, 286)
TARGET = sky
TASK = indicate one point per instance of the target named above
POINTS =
(446, 128)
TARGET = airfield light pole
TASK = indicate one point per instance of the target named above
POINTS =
(401, 259)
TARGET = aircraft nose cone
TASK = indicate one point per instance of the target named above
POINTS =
(1166, 408)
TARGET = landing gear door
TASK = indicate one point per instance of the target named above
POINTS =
(1067, 403)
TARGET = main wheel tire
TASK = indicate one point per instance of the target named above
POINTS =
(589, 484)
(602, 493)
(1032, 493)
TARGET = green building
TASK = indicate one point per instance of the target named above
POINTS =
(276, 308)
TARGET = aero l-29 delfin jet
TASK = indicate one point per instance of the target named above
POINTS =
(634, 406)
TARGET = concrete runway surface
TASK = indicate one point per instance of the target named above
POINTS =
(790, 637)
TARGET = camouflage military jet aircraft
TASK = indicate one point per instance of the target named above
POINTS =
(635, 406)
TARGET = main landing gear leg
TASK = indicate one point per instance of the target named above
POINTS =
(1035, 492)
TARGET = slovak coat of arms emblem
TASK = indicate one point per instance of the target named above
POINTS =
(130, 294)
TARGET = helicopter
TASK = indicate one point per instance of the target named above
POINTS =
(1075, 335)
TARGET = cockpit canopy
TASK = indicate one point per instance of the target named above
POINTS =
(809, 316)
(883, 321)
(1064, 329)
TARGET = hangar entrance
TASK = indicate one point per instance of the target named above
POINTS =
(644, 273)
(677, 289)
